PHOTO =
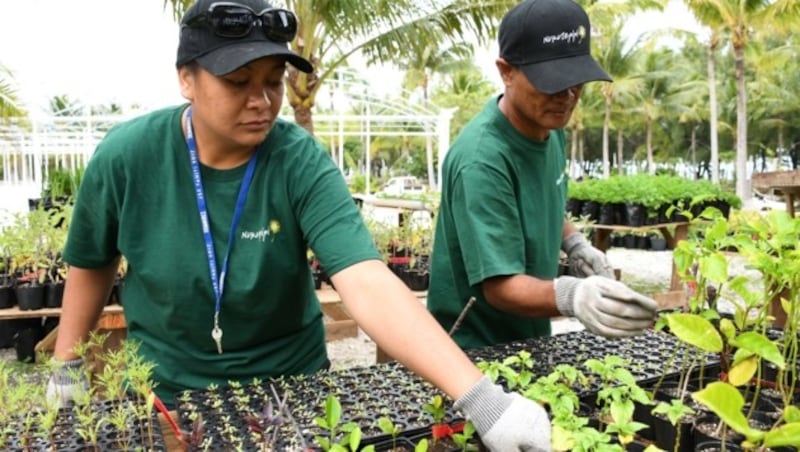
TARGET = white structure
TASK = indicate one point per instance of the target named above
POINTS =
(68, 141)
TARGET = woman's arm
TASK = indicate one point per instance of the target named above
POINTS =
(396, 320)
(85, 294)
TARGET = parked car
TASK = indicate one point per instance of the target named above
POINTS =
(402, 185)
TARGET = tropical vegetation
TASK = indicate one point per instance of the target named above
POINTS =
(703, 100)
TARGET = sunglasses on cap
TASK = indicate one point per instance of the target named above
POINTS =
(232, 20)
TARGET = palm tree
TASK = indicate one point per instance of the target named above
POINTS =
(9, 102)
(429, 59)
(612, 51)
(776, 96)
(467, 91)
(330, 31)
(618, 58)
(739, 18)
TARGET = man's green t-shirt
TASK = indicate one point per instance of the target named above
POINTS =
(138, 199)
(501, 213)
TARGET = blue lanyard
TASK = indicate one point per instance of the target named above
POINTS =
(217, 281)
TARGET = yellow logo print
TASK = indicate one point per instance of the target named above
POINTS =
(274, 228)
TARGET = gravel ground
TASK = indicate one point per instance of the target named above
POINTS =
(646, 271)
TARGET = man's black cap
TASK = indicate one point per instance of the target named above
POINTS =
(220, 55)
(549, 41)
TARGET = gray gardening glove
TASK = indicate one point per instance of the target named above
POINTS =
(67, 382)
(505, 421)
(604, 306)
(584, 259)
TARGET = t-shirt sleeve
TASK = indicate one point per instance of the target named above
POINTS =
(488, 224)
(327, 214)
(92, 237)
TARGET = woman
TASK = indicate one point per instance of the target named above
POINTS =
(214, 204)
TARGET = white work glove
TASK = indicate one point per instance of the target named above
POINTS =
(67, 382)
(584, 259)
(604, 306)
(505, 421)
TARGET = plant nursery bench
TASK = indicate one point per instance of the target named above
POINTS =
(782, 183)
(672, 233)
(338, 324)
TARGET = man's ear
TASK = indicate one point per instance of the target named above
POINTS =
(504, 69)
(186, 80)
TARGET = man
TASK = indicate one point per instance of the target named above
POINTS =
(501, 224)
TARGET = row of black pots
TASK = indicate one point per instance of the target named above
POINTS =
(416, 278)
(635, 214)
(700, 432)
(703, 426)
(642, 242)
(31, 296)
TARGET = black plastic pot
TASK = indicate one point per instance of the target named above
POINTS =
(574, 207)
(607, 214)
(705, 429)
(29, 297)
(7, 298)
(666, 435)
(53, 294)
(635, 214)
(25, 344)
(415, 279)
(715, 446)
(591, 209)
(658, 243)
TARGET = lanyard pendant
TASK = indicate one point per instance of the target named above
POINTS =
(216, 334)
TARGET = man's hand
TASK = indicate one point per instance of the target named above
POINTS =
(605, 306)
(67, 382)
(505, 422)
(584, 259)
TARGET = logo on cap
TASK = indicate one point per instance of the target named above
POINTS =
(571, 37)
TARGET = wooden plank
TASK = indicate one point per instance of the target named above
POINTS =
(338, 324)
(780, 180)
(328, 296)
(112, 321)
(621, 227)
(16, 313)
(171, 442)
(670, 300)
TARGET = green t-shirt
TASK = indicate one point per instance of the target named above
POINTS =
(138, 199)
(501, 213)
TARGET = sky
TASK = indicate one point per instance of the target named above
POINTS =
(123, 51)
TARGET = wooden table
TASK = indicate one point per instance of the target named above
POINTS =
(672, 233)
(781, 183)
(111, 317)
(338, 324)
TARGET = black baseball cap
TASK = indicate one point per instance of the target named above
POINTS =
(221, 55)
(549, 41)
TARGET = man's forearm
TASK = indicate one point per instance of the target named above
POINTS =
(522, 295)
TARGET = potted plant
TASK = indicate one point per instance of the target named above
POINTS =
(742, 339)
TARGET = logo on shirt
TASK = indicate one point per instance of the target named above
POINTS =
(261, 235)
